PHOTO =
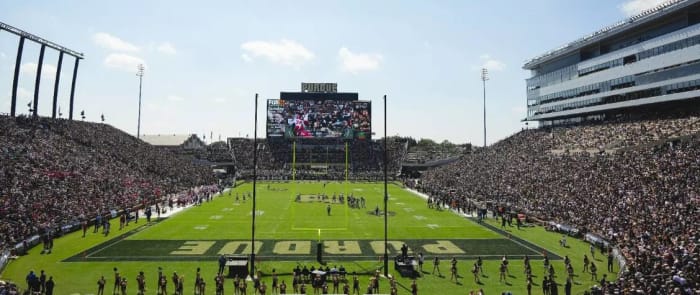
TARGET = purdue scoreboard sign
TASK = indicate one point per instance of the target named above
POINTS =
(319, 87)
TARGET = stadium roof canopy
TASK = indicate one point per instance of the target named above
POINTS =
(611, 30)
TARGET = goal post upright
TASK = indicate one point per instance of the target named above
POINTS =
(347, 193)
(294, 160)
(294, 183)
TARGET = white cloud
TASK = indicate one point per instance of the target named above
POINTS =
(634, 7)
(175, 98)
(490, 63)
(166, 48)
(246, 58)
(358, 62)
(494, 65)
(219, 100)
(24, 94)
(284, 52)
(29, 69)
(123, 62)
(110, 42)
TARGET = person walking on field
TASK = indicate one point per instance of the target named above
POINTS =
(101, 285)
(436, 265)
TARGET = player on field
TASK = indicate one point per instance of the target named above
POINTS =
(141, 282)
(283, 287)
(436, 265)
(101, 286)
(117, 281)
(355, 284)
(453, 270)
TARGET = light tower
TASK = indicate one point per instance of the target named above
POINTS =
(484, 77)
(140, 68)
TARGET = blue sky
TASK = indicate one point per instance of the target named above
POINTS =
(205, 60)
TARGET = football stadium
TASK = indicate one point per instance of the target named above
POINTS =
(597, 193)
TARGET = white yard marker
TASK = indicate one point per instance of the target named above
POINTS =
(257, 213)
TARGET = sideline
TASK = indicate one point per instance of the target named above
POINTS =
(118, 238)
(522, 242)
(425, 197)
(176, 210)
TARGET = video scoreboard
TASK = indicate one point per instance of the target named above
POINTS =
(319, 111)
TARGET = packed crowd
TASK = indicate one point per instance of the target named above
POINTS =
(56, 172)
(624, 132)
(428, 156)
(216, 152)
(644, 199)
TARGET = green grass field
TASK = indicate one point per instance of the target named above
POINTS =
(287, 233)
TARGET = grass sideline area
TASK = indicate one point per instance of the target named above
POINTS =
(288, 232)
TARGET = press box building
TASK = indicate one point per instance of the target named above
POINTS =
(649, 61)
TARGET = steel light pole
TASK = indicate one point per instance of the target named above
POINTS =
(255, 179)
(140, 69)
(484, 77)
(386, 197)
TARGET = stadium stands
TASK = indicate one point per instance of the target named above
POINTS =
(427, 151)
(643, 194)
(55, 172)
(216, 152)
(633, 181)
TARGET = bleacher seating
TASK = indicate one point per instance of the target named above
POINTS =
(54, 172)
(643, 196)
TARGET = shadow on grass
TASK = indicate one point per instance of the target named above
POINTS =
(402, 286)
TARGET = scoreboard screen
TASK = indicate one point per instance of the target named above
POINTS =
(319, 119)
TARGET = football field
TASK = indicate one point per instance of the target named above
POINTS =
(291, 221)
